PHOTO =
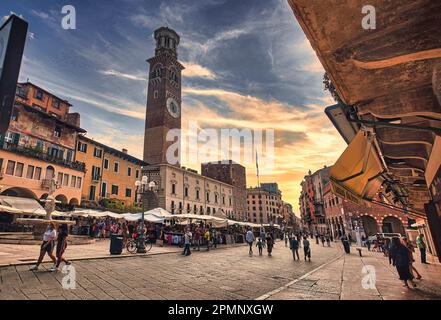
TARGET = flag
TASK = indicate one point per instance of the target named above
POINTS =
(257, 168)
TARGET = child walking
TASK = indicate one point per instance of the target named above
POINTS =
(260, 245)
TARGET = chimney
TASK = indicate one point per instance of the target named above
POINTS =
(124, 151)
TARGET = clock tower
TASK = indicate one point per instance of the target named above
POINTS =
(163, 98)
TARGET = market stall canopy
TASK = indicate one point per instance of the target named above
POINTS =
(160, 213)
(147, 217)
(8, 209)
(25, 205)
(244, 224)
(216, 222)
(61, 214)
(83, 212)
(356, 176)
(220, 214)
(113, 215)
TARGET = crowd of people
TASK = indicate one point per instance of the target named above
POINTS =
(295, 241)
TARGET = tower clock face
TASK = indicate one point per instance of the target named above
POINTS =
(173, 108)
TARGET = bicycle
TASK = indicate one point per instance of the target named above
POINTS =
(132, 245)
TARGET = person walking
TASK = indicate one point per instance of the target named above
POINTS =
(328, 240)
(400, 258)
(124, 233)
(63, 233)
(47, 246)
(197, 239)
(368, 244)
(317, 238)
(187, 242)
(322, 238)
(421, 244)
(306, 249)
(295, 248)
(269, 244)
(260, 245)
(346, 246)
(249, 237)
(387, 244)
(207, 236)
(411, 249)
(262, 234)
(215, 238)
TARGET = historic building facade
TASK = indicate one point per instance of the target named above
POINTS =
(234, 174)
(110, 175)
(345, 217)
(181, 190)
(289, 218)
(311, 200)
(323, 211)
(264, 206)
(39, 145)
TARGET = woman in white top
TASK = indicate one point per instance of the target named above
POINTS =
(47, 246)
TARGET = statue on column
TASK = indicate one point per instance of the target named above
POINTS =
(49, 206)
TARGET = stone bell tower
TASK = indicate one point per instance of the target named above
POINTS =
(163, 98)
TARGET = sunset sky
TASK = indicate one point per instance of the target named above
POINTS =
(248, 65)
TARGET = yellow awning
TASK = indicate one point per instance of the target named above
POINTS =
(356, 174)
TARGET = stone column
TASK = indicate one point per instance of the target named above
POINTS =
(433, 220)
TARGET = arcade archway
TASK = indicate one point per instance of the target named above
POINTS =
(393, 225)
(370, 225)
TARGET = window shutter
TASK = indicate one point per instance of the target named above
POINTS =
(16, 138)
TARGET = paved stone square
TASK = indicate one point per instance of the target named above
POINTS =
(12, 254)
(227, 273)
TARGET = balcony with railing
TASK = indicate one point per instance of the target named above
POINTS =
(38, 154)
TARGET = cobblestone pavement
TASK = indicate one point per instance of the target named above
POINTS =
(342, 279)
(12, 254)
(219, 274)
(227, 273)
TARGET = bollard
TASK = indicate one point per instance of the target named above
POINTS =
(359, 252)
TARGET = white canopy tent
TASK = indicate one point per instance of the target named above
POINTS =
(113, 215)
(9, 209)
(160, 213)
(24, 205)
(147, 217)
(188, 217)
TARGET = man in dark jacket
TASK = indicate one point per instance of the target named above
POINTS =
(295, 248)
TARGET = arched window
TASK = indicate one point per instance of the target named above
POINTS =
(173, 75)
(157, 71)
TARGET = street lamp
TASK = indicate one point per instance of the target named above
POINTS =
(141, 237)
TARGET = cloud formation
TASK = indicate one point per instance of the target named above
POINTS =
(248, 65)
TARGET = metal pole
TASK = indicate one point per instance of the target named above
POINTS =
(141, 237)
